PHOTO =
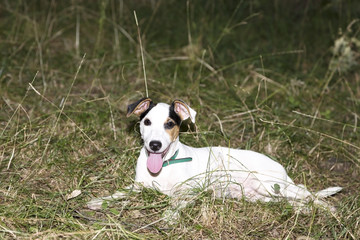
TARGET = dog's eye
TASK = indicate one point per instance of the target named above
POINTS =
(147, 122)
(169, 125)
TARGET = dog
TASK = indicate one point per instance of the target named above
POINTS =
(174, 168)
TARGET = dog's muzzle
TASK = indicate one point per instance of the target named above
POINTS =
(155, 159)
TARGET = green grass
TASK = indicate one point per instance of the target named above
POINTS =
(257, 73)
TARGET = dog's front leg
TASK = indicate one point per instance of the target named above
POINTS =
(96, 204)
(172, 215)
(180, 198)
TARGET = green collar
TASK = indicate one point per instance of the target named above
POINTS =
(173, 160)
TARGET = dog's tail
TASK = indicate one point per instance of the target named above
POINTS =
(300, 192)
(298, 195)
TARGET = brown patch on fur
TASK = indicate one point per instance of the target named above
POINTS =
(174, 132)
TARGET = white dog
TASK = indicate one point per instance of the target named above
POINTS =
(172, 167)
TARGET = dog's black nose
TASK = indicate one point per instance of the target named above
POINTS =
(155, 145)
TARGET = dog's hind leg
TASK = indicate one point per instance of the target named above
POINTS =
(323, 194)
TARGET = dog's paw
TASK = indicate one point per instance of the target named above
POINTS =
(95, 204)
(306, 207)
(171, 217)
(324, 205)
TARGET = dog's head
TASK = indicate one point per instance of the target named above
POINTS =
(159, 127)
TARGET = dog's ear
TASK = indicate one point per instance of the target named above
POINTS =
(183, 110)
(138, 107)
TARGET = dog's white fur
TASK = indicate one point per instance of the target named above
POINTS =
(229, 172)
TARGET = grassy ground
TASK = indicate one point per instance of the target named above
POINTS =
(260, 74)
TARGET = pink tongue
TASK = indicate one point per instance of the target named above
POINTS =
(154, 162)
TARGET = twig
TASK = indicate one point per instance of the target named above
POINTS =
(142, 54)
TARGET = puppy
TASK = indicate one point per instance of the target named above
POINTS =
(175, 168)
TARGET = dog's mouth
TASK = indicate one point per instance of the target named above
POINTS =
(155, 160)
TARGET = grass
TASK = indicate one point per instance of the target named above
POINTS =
(262, 75)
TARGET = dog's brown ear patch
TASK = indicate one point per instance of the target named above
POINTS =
(138, 107)
(184, 111)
